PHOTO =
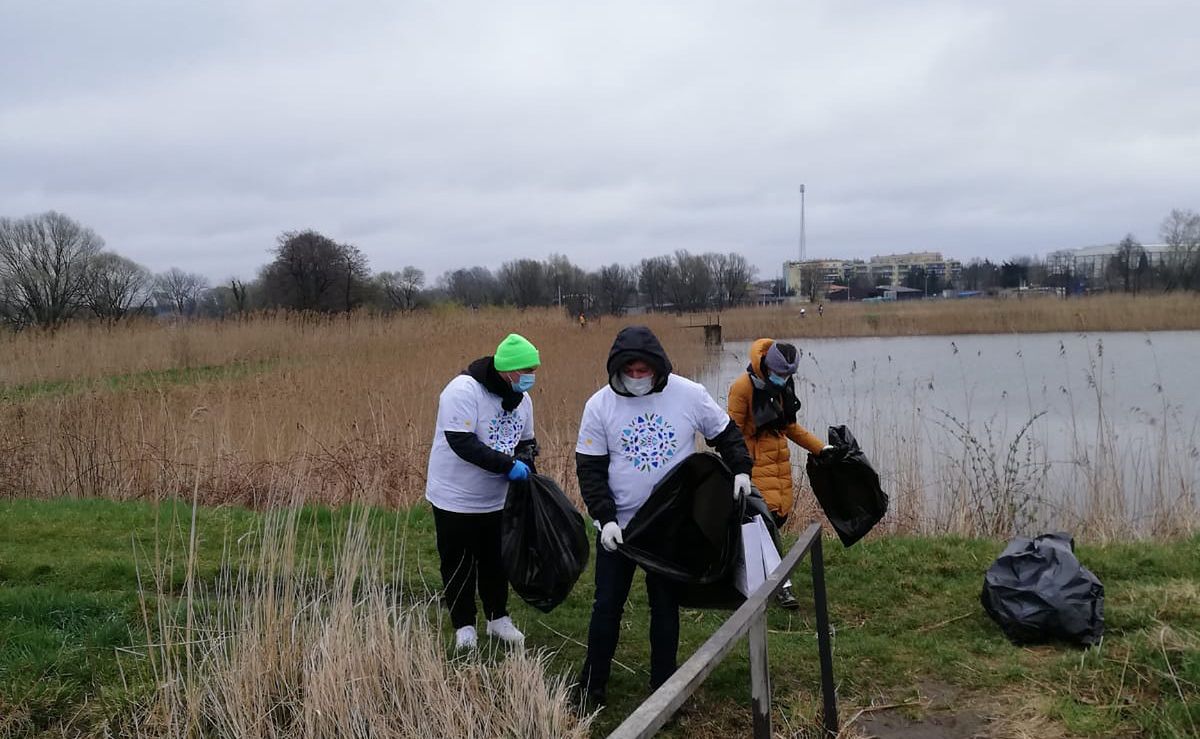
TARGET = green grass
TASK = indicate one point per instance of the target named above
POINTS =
(906, 612)
(134, 381)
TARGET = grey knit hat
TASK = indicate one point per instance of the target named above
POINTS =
(783, 359)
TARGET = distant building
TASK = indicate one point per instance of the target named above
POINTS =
(1091, 262)
(889, 268)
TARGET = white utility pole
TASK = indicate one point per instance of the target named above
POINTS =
(802, 244)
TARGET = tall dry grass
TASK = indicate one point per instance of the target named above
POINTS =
(1179, 311)
(346, 397)
(321, 640)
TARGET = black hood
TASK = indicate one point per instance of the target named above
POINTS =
(638, 342)
(483, 371)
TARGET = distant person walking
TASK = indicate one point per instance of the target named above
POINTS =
(482, 440)
(763, 404)
(820, 310)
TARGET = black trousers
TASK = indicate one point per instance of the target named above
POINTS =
(614, 576)
(469, 547)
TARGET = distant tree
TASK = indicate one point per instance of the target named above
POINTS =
(690, 285)
(563, 278)
(1014, 273)
(312, 272)
(117, 287)
(402, 288)
(1130, 262)
(1180, 232)
(241, 295)
(180, 291)
(616, 285)
(653, 276)
(731, 274)
(472, 286)
(45, 267)
(981, 274)
(525, 282)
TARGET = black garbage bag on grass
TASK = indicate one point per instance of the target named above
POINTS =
(847, 487)
(1037, 591)
(543, 542)
(689, 529)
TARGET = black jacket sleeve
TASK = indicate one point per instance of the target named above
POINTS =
(468, 446)
(592, 471)
(732, 447)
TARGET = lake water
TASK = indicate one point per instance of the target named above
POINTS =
(1111, 421)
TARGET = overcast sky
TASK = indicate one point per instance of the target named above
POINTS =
(445, 134)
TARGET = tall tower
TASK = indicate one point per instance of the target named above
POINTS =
(802, 244)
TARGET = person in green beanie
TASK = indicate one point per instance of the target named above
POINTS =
(482, 440)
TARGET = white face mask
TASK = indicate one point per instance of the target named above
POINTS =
(638, 386)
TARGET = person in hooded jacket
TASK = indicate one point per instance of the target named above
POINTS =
(763, 404)
(634, 430)
(483, 439)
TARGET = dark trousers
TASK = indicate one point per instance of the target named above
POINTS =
(614, 576)
(469, 547)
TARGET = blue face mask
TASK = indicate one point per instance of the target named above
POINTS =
(777, 380)
(524, 382)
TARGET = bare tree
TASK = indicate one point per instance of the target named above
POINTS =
(690, 283)
(564, 278)
(616, 284)
(402, 288)
(525, 281)
(1180, 232)
(653, 276)
(1129, 262)
(118, 286)
(312, 272)
(475, 286)
(181, 290)
(732, 274)
(240, 293)
(45, 267)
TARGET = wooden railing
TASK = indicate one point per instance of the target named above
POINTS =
(751, 618)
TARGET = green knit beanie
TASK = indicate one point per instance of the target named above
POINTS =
(515, 353)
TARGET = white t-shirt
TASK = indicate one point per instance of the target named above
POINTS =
(645, 437)
(454, 484)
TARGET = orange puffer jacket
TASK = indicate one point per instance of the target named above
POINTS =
(772, 460)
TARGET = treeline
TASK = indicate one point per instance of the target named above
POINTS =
(54, 269)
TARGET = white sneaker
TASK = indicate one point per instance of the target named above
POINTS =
(504, 629)
(465, 638)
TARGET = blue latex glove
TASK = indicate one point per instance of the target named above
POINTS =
(519, 471)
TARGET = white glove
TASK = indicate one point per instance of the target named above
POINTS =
(610, 536)
(741, 486)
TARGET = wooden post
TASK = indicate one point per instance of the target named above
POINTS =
(760, 677)
(824, 649)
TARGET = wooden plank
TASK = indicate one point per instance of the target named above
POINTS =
(664, 702)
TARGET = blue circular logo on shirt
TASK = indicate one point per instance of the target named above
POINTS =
(648, 442)
(504, 431)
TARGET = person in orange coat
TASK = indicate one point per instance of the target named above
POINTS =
(763, 404)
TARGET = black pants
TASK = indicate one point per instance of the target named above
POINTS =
(469, 547)
(614, 576)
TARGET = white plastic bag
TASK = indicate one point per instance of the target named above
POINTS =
(759, 557)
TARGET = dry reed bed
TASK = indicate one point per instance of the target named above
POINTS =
(351, 398)
(969, 316)
(310, 640)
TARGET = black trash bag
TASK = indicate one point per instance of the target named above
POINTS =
(847, 487)
(724, 594)
(543, 542)
(689, 529)
(1037, 591)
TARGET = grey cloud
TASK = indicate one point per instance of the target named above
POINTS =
(450, 134)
